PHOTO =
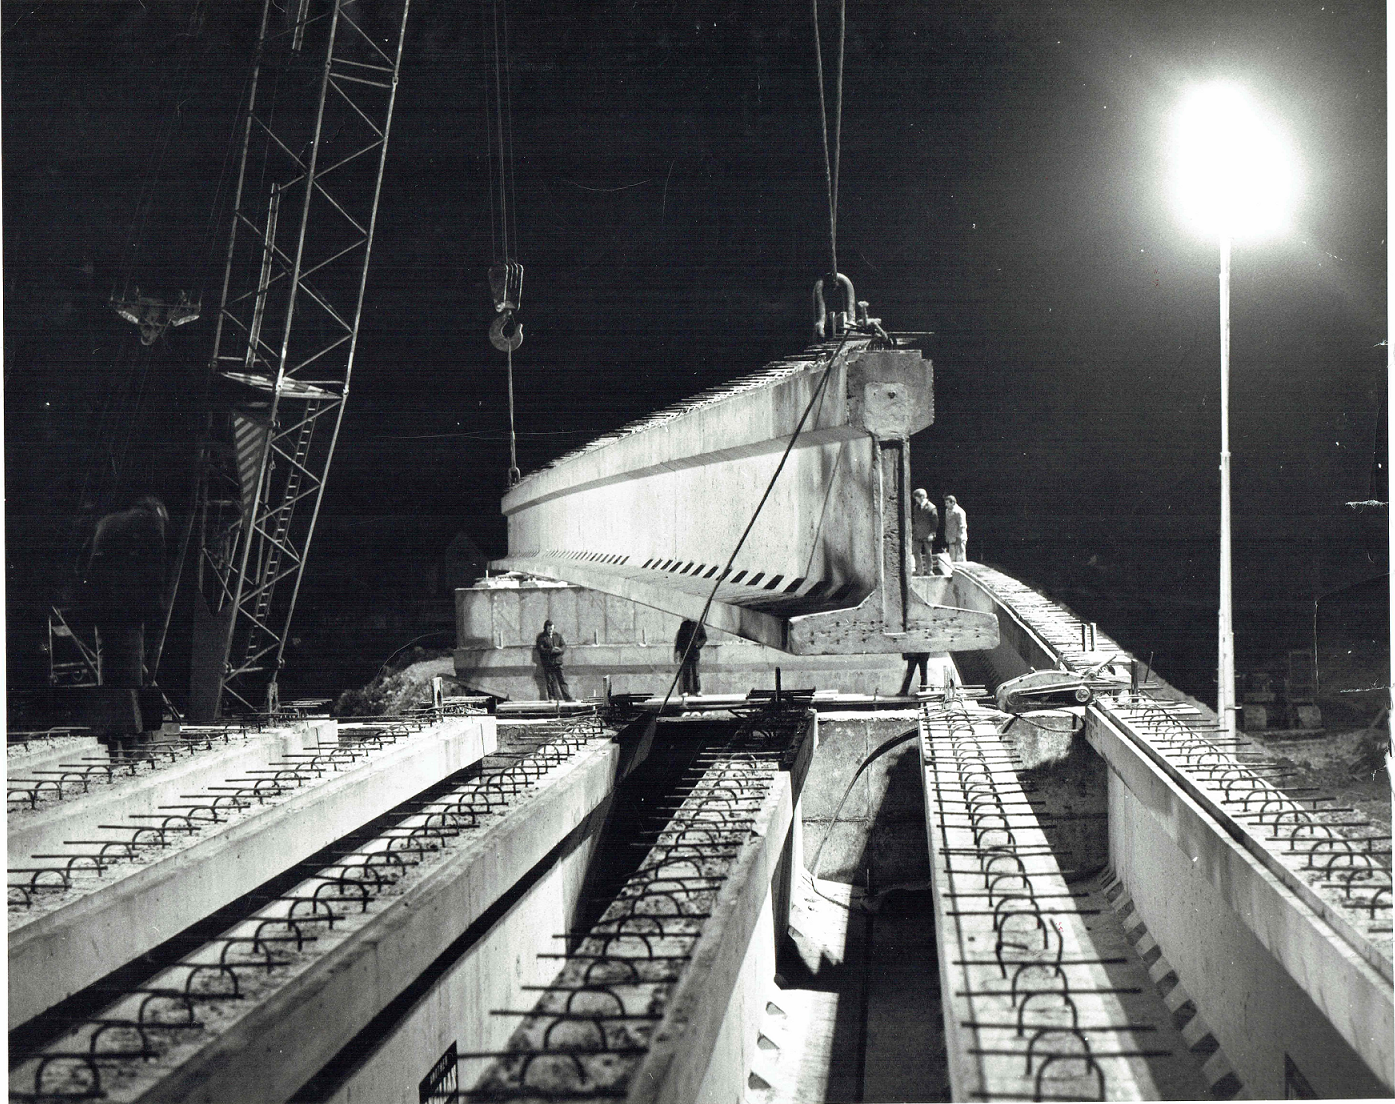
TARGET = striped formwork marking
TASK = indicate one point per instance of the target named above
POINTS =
(1031, 1012)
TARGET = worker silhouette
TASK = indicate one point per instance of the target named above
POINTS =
(925, 519)
(913, 660)
(956, 530)
(687, 649)
(551, 648)
(123, 592)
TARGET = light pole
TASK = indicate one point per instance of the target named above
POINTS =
(1234, 176)
(1225, 652)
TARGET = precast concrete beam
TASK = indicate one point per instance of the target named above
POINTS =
(692, 932)
(1284, 962)
(654, 512)
(706, 1042)
(44, 751)
(79, 815)
(364, 962)
(1276, 970)
(1016, 941)
(104, 922)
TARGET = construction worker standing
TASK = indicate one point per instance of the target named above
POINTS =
(551, 648)
(687, 650)
(123, 585)
(925, 519)
(915, 661)
(956, 530)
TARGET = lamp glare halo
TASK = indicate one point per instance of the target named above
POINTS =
(1234, 173)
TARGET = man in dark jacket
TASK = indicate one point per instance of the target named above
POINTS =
(687, 649)
(551, 647)
(124, 592)
(915, 661)
(925, 519)
(125, 585)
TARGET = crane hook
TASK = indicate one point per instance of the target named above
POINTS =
(506, 342)
(828, 323)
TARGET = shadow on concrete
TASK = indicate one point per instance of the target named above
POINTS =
(640, 808)
(1067, 784)
(868, 960)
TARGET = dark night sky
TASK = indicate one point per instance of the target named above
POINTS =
(1001, 185)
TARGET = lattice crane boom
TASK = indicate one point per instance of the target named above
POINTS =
(314, 146)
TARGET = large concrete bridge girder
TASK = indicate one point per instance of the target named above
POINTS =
(818, 523)
(825, 568)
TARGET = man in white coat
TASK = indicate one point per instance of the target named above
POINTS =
(956, 530)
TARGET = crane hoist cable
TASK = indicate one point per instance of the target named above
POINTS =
(853, 313)
(212, 236)
(831, 175)
(176, 73)
(508, 132)
(122, 411)
(506, 275)
(830, 165)
(153, 313)
(499, 124)
(814, 400)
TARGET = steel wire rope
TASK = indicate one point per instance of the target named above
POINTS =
(508, 213)
(830, 166)
(114, 423)
(146, 199)
(489, 156)
(211, 239)
(103, 422)
(499, 127)
(508, 128)
(1076, 729)
(128, 428)
(722, 575)
(894, 742)
(832, 181)
(243, 120)
(513, 436)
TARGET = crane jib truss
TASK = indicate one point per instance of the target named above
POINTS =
(314, 145)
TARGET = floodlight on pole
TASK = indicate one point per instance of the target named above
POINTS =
(1234, 173)
(1234, 177)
